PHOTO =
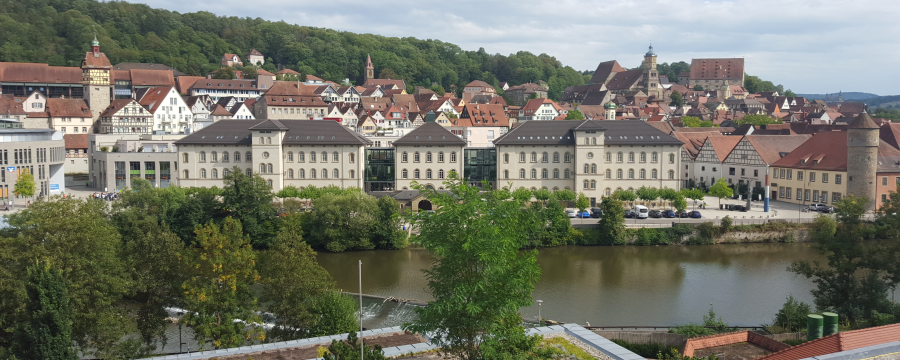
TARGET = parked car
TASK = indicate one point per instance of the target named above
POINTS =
(829, 209)
(571, 212)
(655, 213)
(583, 214)
(629, 214)
(669, 214)
(695, 214)
(641, 211)
(684, 214)
(817, 207)
(596, 212)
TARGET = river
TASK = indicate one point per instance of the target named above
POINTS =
(618, 286)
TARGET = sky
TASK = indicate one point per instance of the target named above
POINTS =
(809, 46)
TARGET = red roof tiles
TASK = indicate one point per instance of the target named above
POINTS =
(843, 341)
(68, 108)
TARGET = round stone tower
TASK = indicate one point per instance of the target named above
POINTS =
(862, 158)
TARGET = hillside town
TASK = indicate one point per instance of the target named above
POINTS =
(102, 124)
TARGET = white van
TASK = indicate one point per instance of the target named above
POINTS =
(640, 211)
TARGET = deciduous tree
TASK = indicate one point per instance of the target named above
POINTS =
(721, 190)
(24, 184)
(249, 199)
(48, 334)
(574, 115)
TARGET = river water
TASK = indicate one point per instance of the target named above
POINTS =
(618, 286)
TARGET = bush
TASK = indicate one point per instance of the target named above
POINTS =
(792, 316)
(725, 224)
(711, 325)
(349, 350)
(649, 351)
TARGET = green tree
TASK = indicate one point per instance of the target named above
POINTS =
(388, 231)
(757, 120)
(292, 281)
(677, 99)
(479, 276)
(789, 93)
(542, 194)
(24, 184)
(693, 194)
(225, 73)
(647, 193)
(693, 121)
(249, 199)
(612, 223)
(564, 195)
(249, 72)
(754, 84)
(522, 195)
(574, 115)
(792, 316)
(387, 74)
(679, 204)
(698, 87)
(219, 302)
(625, 195)
(342, 222)
(582, 203)
(49, 331)
(350, 350)
(439, 90)
(721, 190)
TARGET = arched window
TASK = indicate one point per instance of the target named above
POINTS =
(545, 157)
(587, 169)
(249, 172)
(428, 174)
(506, 174)
(619, 157)
(543, 173)
(269, 140)
(215, 156)
(593, 184)
(631, 173)
(453, 156)
(521, 157)
(587, 141)
(416, 174)
(643, 157)
(619, 174)
(586, 183)
(653, 174)
(556, 157)
(336, 174)
(312, 156)
(225, 173)
(556, 173)
(203, 156)
(237, 156)
(290, 173)
(269, 169)
(608, 157)
(352, 174)
(224, 156)
(184, 157)
(568, 157)
(324, 173)
(203, 173)
(671, 174)
(440, 173)
(416, 157)
(248, 157)
(593, 168)
(290, 156)
(428, 156)
(335, 157)
(521, 173)
(352, 157)
(269, 182)
(671, 158)
(654, 157)
(608, 191)
(262, 140)
(533, 156)
(643, 174)
(215, 173)
(566, 174)
(404, 157)
(187, 175)
(631, 157)
(593, 141)
(534, 173)
(262, 168)
(324, 156)
(312, 173)
(302, 174)
(608, 174)
(506, 158)
(301, 156)
(441, 156)
(405, 174)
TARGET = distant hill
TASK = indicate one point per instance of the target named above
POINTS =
(848, 96)
(891, 101)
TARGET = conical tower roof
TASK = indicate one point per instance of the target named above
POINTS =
(863, 121)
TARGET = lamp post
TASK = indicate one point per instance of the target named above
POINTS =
(540, 319)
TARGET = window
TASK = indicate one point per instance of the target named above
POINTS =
(607, 192)
(453, 156)
(787, 193)
(533, 157)
(556, 157)
(428, 174)
(506, 174)
(631, 157)
(608, 174)
(545, 157)
(352, 174)
(302, 174)
(790, 174)
(215, 173)
(671, 174)
(799, 175)
(312, 173)
(521, 173)
(631, 173)
(215, 156)
(521, 157)
(225, 156)
(781, 191)
(428, 156)
(248, 157)
(653, 174)
(824, 177)
(608, 157)
(619, 157)
(262, 168)
(835, 197)
(593, 168)
(506, 158)
(587, 169)
(441, 156)
(671, 158)
(566, 174)
(837, 178)
(643, 174)
(249, 172)
(312, 156)
(203, 173)
(270, 169)
(335, 157)
(290, 156)
(440, 173)
(586, 183)
(593, 141)
(269, 182)
(416, 174)
(335, 174)
(324, 156)
(782, 172)
(416, 157)
(290, 173)
(534, 173)
(883, 182)
(730, 171)
(643, 157)
(543, 173)
(352, 158)
(184, 157)
(404, 174)
(202, 156)
(800, 194)
(593, 184)
(812, 176)
(556, 173)
(187, 174)
(619, 174)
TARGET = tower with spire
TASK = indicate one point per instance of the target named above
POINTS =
(95, 69)
(650, 80)
(370, 69)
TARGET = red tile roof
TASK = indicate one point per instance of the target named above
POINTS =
(843, 341)
(385, 83)
(826, 151)
(10, 105)
(152, 78)
(479, 83)
(154, 97)
(770, 147)
(68, 108)
(39, 73)
(717, 69)
(76, 141)
(115, 106)
(723, 145)
(890, 133)
(184, 83)
(287, 71)
(483, 115)
(98, 61)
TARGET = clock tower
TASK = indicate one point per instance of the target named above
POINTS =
(95, 69)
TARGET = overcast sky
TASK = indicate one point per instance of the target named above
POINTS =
(809, 46)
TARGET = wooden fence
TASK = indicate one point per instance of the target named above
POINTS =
(644, 337)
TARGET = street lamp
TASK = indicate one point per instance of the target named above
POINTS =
(540, 319)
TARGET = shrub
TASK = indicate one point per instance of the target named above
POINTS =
(725, 224)
(792, 316)
(649, 351)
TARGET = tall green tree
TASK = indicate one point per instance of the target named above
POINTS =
(677, 99)
(388, 232)
(343, 222)
(582, 203)
(721, 190)
(647, 193)
(49, 331)
(478, 276)
(226, 73)
(24, 184)
(249, 199)
(612, 223)
(693, 121)
(574, 115)
(757, 120)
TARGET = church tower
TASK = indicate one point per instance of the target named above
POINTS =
(862, 158)
(650, 79)
(370, 69)
(95, 70)
(610, 110)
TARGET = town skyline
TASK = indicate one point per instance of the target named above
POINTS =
(793, 49)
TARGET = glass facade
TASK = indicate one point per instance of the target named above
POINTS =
(379, 174)
(165, 174)
(135, 169)
(120, 175)
(150, 172)
(480, 164)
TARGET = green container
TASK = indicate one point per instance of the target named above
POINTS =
(831, 323)
(814, 326)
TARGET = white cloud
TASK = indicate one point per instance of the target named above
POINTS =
(810, 46)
